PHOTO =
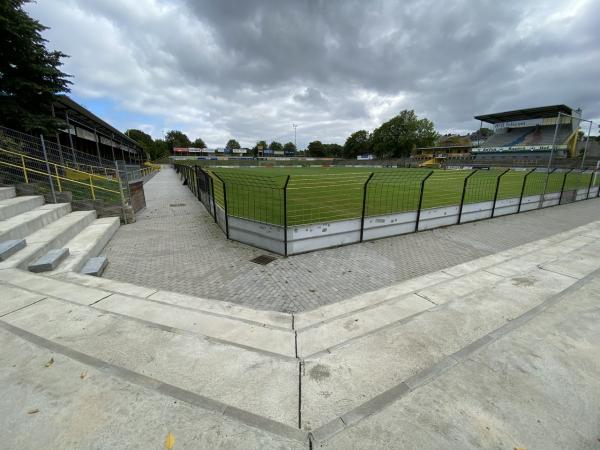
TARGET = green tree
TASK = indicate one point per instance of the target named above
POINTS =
(486, 132)
(176, 138)
(400, 135)
(30, 75)
(159, 149)
(144, 139)
(232, 144)
(358, 143)
(334, 150)
(276, 146)
(198, 143)
(255, 149)
(316, 149)
(289, 148)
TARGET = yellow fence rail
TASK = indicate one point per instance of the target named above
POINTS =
(63, 174)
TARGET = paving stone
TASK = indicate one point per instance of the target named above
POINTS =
(181, 249)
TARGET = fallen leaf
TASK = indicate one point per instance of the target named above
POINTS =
(49, 363)
(169, 441)
(83, 374)
(33, 411)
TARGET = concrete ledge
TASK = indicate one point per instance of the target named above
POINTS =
(49, 261)
(9, 248)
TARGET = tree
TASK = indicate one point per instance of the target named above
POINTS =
(232, 144)
(159, 149)
(30, 75)
(334, 150)
(289, 149)
(144, 139)
(316, 149)
(400, 135)
(198, 143)
(358, 143)
(176, 138)
(486, 132)
(275, 146)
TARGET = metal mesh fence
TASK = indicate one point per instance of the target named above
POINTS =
(394, 191)
(285, 199)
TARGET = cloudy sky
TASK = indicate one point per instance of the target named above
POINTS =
(249, 69)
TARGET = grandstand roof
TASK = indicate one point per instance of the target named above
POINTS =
(524, 114)
(82, 116)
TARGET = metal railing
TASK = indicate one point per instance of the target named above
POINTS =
(52, 177)
(306, 199)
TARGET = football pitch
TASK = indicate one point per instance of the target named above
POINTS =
(325, 194)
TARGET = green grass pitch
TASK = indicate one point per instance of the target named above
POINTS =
(325, 194)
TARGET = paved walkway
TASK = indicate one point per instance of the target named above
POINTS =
(175, 245)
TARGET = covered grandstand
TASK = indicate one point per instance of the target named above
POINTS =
(89, 134)
(530, 133)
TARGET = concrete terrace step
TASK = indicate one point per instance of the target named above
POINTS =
(7, 192)
(253, 336)
(54, 235)
(431, 285)
(18, 205)
(29, 222)
(88, 243)
(335, 382)
(226, 375)
(272, 319)
(327, 335)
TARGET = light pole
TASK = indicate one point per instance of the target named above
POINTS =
(295, 126)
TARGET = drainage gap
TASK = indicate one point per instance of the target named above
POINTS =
(300, 368)
(263, 259)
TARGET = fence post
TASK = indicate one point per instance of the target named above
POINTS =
(224, 205)
(285, 224)
(590, 185)
(57, 178)
(24, 169)
(496, 193)
(523, 189)
(562, 188)
(212, 194)
(48, 168)
(364, 205)
(92, 188)
(462, 198)
(421, 200)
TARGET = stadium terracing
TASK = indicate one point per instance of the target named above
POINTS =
(531, 132)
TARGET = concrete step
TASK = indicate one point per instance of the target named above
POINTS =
(7, 192)
(29, 222)
(88, 243)
(231, 380)
(326, 335)
(273, 319)
(257, 337)
(262, 338)
(18, 205)
(464, 279)
(54, 235)
(369, 366)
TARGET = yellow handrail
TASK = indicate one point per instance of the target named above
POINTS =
(52, 163)
(27, 169)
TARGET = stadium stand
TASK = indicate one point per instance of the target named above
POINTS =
(530, 133)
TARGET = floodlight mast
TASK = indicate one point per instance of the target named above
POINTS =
(295, 126)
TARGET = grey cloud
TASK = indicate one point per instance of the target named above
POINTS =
(251, 68)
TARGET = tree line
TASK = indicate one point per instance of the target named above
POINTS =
(397, 137)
